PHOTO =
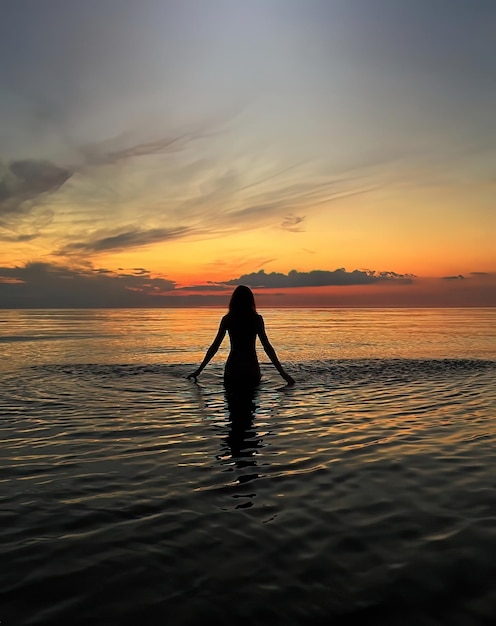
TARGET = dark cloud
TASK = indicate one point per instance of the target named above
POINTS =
(38, 285)
(130, 239)
(24, 180)
(319, 278)
(45, 285)
(24, 187)
(458, 277)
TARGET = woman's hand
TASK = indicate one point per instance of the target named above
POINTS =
(289, 379)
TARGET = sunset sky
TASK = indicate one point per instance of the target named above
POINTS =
(324, 152)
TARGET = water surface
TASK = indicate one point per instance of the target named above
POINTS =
(131, 495)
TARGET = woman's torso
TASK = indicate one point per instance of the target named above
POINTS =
(242, 362)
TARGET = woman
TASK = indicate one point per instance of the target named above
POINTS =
(243, 324)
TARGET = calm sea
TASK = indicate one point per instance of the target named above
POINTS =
(130, 495)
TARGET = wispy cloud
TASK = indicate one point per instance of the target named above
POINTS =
(28, 189)
(147, 186)
(122, 241)
(292, 223)
(129, 144)
(129, 192)
(104, 154)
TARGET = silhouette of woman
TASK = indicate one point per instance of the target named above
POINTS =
(243, 324)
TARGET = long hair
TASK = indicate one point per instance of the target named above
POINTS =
(242, 302)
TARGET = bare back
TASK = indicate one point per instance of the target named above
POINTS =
(242, 363)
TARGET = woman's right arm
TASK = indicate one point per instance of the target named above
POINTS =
(212, 350)
(271, 353)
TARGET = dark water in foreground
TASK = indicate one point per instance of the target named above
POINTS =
(130, 495)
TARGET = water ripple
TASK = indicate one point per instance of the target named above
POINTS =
(364, 492)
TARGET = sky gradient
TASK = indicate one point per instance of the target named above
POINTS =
(324, 152)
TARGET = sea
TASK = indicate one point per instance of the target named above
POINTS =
(365, 493)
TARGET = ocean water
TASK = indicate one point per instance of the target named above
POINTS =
(130, 495)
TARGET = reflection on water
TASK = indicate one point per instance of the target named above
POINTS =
(242, 438)
(239, 441)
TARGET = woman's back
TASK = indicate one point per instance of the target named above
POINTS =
(242, 362)
(243, 330)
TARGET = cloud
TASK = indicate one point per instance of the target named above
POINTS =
(26, 179)
(472, 275)
(292, 223)
(46, 285)
(14, 237)
(49, 285)
(125, 146)
(255, 206)
(24, 186)
(199, 198)
(129, 239)
(211, 286)
(318, 278)
(151, 185)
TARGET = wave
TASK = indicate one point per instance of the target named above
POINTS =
(338, 370)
